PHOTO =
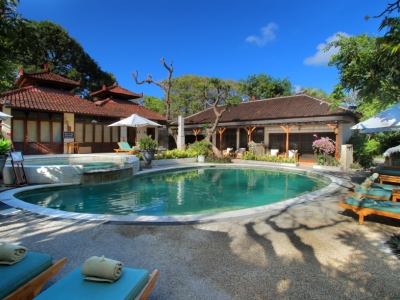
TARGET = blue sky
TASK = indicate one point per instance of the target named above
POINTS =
(225, 39)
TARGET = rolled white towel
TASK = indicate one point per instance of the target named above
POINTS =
(102, 269)
(11, 254)
(365, 186)
(375, 175)
(358, 196)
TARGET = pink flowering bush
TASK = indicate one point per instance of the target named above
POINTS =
(323, 145)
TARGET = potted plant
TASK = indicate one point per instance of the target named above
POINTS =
(148, 148)
(5, 148)
(201, 148)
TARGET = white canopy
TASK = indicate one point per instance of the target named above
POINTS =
(392, 150)
(4, 116)
(135, 121)
(387, 120)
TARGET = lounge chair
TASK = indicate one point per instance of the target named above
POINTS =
(274, 152)
(368, 206)
(25, 279)
(125, 147)
(239, 153)
(227, 152)
(133, 284)
(294, 153)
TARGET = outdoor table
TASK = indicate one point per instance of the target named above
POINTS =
(73, 147)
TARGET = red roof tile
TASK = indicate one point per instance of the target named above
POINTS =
(295, 106)
(30, 78)
(46, 99)
(116, 92)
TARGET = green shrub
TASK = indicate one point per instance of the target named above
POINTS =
(216, 160)
(175, 153)
(5, 146)
(363, 153)
(259, 157)
(147, 143)
(200, 148)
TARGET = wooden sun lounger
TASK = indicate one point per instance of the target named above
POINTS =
(364, 211)
(32, 288)
(125, 147)
(123, 150)
(389, 178)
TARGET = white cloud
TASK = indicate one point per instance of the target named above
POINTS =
(267, 34)
(321, 58)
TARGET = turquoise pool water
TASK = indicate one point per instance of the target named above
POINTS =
(184, 192)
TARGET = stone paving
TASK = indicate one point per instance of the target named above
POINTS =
(314, 250)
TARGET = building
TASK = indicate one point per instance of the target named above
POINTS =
(284, 123)
(45, 113)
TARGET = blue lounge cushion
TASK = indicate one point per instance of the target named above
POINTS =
(12, 277)
(375, 192)
(388, 172)
(124, 145)
(74, 287)
(383, 205)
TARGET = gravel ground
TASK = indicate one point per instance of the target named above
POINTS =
(308, 251)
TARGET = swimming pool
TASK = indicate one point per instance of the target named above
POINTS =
(180, 192)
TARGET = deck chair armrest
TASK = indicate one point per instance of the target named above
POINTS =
(144, 293)
(33, 287)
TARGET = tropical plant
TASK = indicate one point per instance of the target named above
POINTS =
(147, 143)
(66, 57)
(252, 146)
(5, 146)
(394, 244)
(200, 147)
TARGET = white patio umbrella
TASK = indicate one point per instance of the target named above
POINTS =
(387, 120)
(4, 116)
(135, 121)
(392, 150)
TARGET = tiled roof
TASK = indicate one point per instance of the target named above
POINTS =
(29, 78)
(295, 106)
(46, 99)
(115, 91)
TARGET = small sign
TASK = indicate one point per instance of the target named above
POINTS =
(68, 134)
(17, 157)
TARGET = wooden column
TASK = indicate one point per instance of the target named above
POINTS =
(287, 130)
(335, 128)
(220, 131)
(196, 131)
(249, 132)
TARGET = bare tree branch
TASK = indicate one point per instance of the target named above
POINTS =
(165, 85)
(391, 8)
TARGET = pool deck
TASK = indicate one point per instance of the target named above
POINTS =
(313, 250)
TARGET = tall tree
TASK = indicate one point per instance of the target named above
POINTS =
(315, 92)
(219, 96)
(66, 58)
(165, 85)
(186, 95)
(154, 103)
(365, 67)
(264, 86)
(16, 34)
